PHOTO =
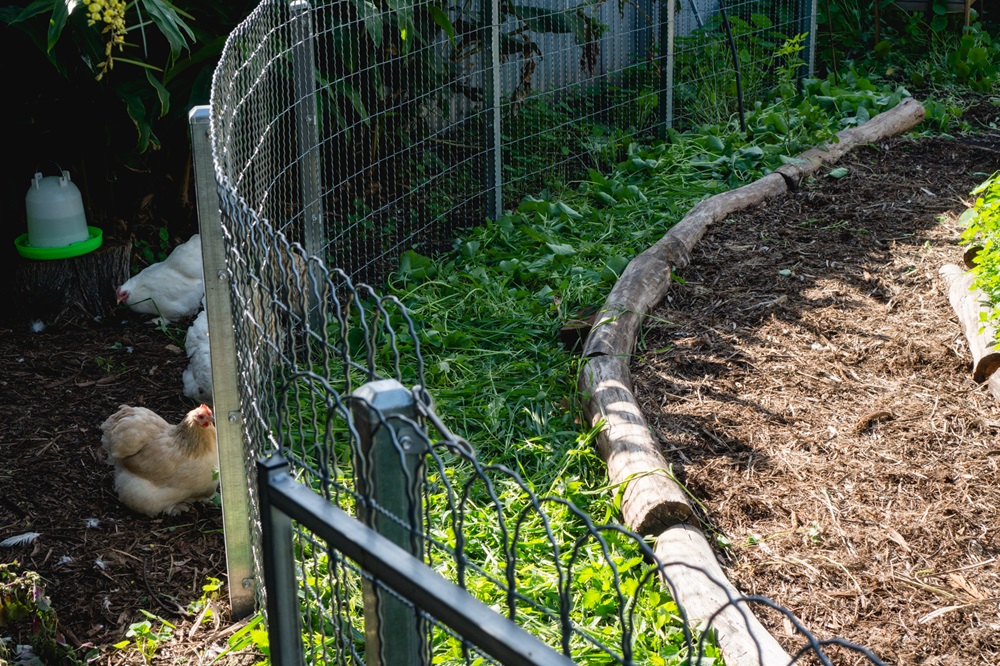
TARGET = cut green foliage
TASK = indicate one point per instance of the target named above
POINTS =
(487, 316)
(982, 222)
(930, 50)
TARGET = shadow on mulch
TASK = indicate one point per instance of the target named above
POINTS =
(811, 387)
(101, 563)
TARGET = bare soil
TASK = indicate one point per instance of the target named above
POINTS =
(101, 563)
(812, 388)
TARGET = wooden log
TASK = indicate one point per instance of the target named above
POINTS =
(645, 280)
(970, 254)
(994, 385)
(903, 117)
(48, 289)
(698, 585)
(651, 500)
(968, 303)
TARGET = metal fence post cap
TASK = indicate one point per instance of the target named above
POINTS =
(200, 114)
(386, 395)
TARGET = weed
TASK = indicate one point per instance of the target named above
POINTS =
(27, 613)
(982, 222)
(108, 365)
(154, 252)
(148, 635)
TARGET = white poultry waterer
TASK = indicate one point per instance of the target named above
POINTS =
(57, 225)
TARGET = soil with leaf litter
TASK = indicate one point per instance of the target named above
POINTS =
(811, 386)
(102, 564)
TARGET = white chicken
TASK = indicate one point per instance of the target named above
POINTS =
(171, 289)
(161, 468)
(198, 375)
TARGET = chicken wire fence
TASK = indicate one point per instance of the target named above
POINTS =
(344, 133)
(363, 128)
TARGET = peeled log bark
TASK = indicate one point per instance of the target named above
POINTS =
(901, 118)
(47, 289)
(651, 500)
(968, 303)
(700, 587)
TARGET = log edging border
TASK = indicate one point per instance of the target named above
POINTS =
(652, 502)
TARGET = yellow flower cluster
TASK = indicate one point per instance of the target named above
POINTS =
(110, 13)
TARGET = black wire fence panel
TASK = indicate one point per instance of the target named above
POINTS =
(331, 378)
(343, 134)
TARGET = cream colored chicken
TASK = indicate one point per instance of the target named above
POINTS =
(159, 467)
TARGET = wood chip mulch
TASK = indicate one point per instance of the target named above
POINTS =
(811, 386)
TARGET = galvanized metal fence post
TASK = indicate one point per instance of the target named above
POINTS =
(391, 473)
(307, 137)
(222, 348)
(668, 28)
(807, 15)
(284, 627)
(492, 102)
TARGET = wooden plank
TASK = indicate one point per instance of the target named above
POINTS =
(698, 584)
(233, 469)
(968, 304)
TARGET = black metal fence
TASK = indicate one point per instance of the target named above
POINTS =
(342, 133)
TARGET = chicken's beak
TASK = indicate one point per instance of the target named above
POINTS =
(120, 295)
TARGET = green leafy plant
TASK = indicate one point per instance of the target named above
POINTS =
(253, 634)
(982, 229)
(148, 635)
(152, 252)
(26, 611)
(97, 31)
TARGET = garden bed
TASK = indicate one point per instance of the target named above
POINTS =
(811, 387)
(62, 383)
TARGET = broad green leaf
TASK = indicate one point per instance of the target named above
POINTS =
(441, 18)
(161, 93)
(137, 112)
(172, 26)
(60, 13)
(571, 213)
(416, 266)
(561, 249)
(36, 8)
(839, 172)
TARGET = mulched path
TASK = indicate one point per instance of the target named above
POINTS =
(811, 386)
(101, 563)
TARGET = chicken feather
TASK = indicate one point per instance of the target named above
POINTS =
(159, 467)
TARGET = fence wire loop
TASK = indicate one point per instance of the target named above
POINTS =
(353, 140)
